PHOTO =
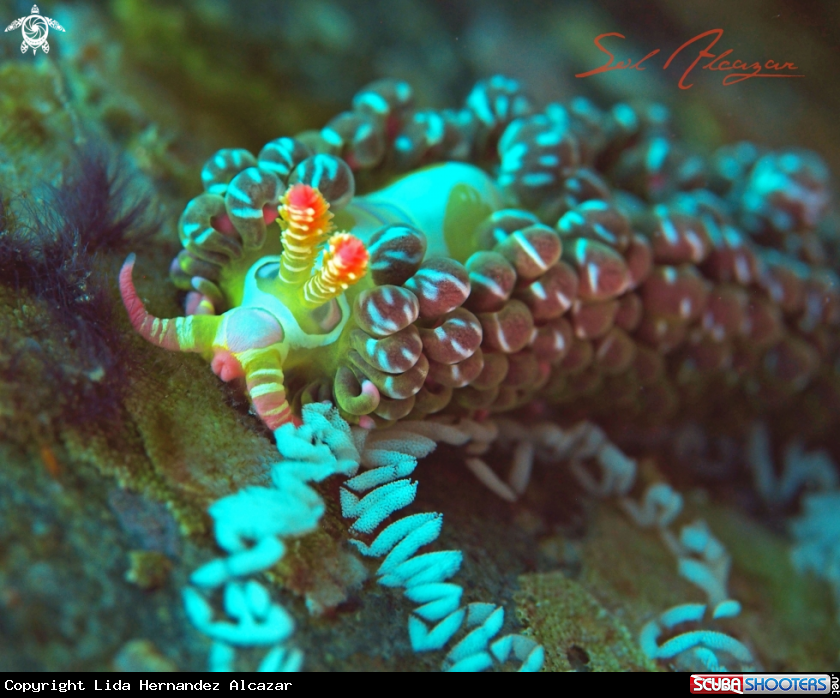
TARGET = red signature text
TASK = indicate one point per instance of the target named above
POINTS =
(746, 71)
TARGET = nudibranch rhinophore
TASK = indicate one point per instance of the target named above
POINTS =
(571, 255)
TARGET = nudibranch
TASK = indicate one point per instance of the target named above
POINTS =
(570, 255)
(495, 257)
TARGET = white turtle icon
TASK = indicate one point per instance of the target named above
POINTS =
(35, 28)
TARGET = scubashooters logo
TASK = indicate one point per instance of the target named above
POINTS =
(739, 684)
(35, 29)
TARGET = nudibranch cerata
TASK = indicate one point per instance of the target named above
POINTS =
(571, 255)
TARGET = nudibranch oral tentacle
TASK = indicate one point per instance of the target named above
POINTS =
(192, 333)
(244, 342)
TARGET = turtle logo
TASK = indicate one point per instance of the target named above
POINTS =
(35, 28)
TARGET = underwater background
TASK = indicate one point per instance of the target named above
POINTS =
(111, 451)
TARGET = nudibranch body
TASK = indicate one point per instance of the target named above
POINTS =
(578, 256)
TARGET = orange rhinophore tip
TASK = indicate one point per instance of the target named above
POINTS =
(304, 208)
(349, 256)
(345, 262)
(306, 222)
